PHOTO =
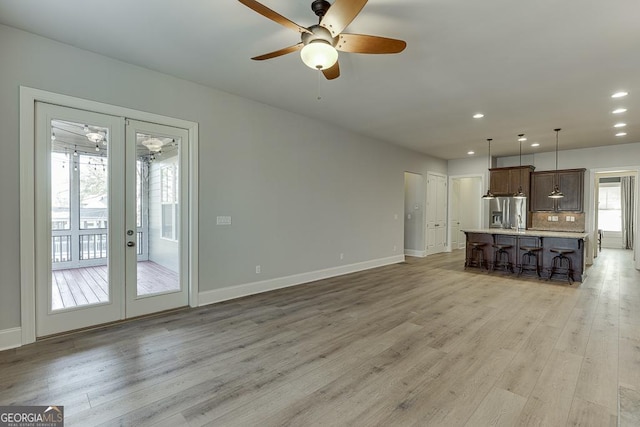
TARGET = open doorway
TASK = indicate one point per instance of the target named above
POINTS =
(414, 219)
(615, 209)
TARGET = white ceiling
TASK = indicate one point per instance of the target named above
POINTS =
(529, 66)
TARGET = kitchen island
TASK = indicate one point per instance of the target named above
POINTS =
(547, 240)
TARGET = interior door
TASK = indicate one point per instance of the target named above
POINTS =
(436, 213)
(79, 264)
(156, 218)
(455, 214)
(111, 218)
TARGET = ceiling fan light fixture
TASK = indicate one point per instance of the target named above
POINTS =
(319, 54)
(95, 137)
(153, 144)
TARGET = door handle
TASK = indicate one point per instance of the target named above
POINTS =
(131, 244)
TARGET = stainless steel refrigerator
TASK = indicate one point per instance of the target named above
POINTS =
(508, 212)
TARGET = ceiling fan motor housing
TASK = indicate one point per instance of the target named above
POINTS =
(319, 33)
(320, 7)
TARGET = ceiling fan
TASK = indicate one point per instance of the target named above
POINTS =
(320, 43)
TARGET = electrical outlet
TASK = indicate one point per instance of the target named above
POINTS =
(567, 218)
(223, 220)
(341, 256)
(395, 216)
(258, 269)
(549, 218)
(395, 248)
(554, 218)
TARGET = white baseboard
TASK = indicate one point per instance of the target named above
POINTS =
(237, 291)
(413, 252)
(10, 338)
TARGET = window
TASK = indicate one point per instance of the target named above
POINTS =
(93, 179)
(169, 201)
(609, 206)
(60, 191)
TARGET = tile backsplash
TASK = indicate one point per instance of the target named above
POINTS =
(558, 221)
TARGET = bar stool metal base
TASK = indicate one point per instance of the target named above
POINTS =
(530, 261)
(501, 258)
(561, 264)
(476, 258)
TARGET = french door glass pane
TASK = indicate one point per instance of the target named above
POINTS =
(79, 213)
(157, 204)
(93, 191)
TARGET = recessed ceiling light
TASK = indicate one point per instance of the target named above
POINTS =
(619, 125)
(478, 116)
(620, 94)
(471, 153)
(621, 134)
(535, 144)
(619, 110)
(522, 139)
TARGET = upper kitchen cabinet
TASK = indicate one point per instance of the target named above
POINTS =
(570, 182)
(506, 181)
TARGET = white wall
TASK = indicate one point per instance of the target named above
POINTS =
(300, 191)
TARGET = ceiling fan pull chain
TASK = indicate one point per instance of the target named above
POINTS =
(318, 82)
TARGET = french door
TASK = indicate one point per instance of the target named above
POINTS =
(110, 218)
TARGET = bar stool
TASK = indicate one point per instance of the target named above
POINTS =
(501, 257)
(476, 258)
(530, 261)
(561, 264)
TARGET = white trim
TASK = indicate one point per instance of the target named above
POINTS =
(28, 98)
(237, 291)
(10, 338)
(413, 252)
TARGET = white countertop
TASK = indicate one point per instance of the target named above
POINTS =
(534, 233)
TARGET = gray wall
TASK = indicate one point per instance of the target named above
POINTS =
(300, 191)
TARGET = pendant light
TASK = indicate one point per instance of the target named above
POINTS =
(556, 193)
(520, 194)
(489, 195)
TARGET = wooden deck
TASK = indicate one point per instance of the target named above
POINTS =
(83, 286)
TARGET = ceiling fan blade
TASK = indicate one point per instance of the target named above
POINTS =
(360, 43)
(333, 72)
(274, 16)
(340, 14)
(280, 52)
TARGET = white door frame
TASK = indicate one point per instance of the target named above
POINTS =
(28, 99)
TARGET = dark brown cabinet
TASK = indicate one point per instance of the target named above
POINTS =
(571, 183)
(506, 181)
(541, 185)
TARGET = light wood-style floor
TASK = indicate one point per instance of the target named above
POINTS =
(423, 343)
(74, 287)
